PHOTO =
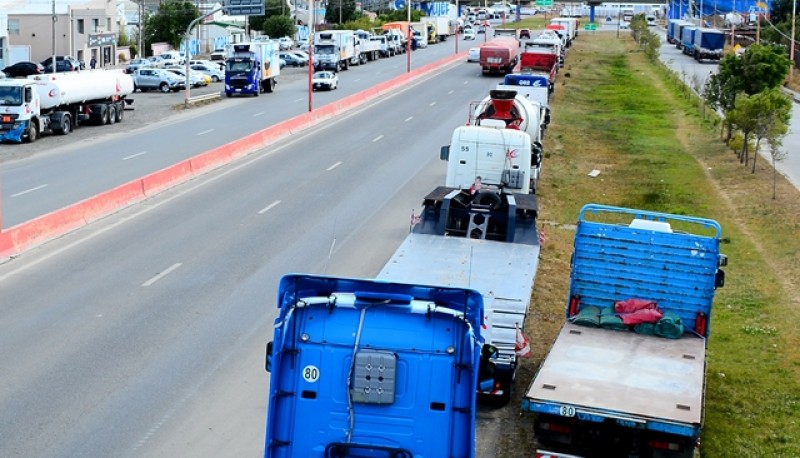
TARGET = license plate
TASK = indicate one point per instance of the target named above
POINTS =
(494, 60)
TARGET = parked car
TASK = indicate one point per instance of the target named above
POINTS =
(160, 79)
(211, 70)
(217, 64)
(469, 34)
(22, 69)
(324, 80)
(173, 58)
(474, 55)
(285, 43)
(195, 79)
(157, 62)
(218, 54)
(420, 41)
(136, 64)
(63, 64)
(302, 54)
(293, 59)
(303, 46)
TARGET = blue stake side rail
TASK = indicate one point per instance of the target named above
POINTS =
(595, 381)
(371, 368)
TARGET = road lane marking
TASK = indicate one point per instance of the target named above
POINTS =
(163, 274)
(259, 113)
(357, 80)
(207, 131)
(269, 207)
(335, 165)
(466, 82)
(377, 138)
(409, 118)
(451, 91)
(300, 99)
(134, 155)
(432, 104)
(29, 190)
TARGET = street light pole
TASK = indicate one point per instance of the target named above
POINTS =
(311, 13)
(408, 39)
(458, 19)
(55, 19)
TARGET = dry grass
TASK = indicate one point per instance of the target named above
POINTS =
(616, 112)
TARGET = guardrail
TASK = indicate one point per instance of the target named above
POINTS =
(203, 98)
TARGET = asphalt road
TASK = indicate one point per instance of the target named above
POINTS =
(144, 333)
(59, 170)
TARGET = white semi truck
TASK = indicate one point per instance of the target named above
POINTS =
(335, 50)
(56, 103)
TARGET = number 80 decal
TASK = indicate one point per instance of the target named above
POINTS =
(567, 411)
(310, 374)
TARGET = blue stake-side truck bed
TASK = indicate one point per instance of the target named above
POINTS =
(603, 392)
(363, 368)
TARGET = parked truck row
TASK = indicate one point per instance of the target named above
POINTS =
(395, 366)
(702, 43)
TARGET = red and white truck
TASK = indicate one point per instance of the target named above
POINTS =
(499, 55)
(539, 61)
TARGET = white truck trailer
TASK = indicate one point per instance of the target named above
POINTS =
(368, 49)
(56, 103)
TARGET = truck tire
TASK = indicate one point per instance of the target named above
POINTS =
(164, 87)
(66, 126)
(32, 134)
(106, 116)
(270, 86)
(120, 111)
(111, 111)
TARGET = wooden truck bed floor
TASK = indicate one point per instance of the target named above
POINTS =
(623, 372)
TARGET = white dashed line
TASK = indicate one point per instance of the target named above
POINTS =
(300, 99)
(207, 131)
(466, 82)
(162, 274)
(269, 207)
(258, 114)
(134, 155)
(432, 104)
(29, 190)
(377, 138)
(409, 118)
(335, 165)
(451, 91)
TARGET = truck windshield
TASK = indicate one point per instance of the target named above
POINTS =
(10, 95)
(239, 67)
(325, 50)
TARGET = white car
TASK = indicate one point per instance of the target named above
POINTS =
(285, 43)
(469, 34)
(324, 80)
(219, 54)
(211, 70)
(195, 80)
(422, 42)
(474, 55)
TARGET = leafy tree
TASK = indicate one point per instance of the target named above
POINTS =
(763, 67)
(339, 11)
(743, 117)
(279, 26)
(271, 8)
(170, 22)
(775, 141)
(773, 120)
(400, 15)
(722, 87)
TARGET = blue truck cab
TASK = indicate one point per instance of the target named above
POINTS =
(252, 68)
(364, 368)
(606, 386)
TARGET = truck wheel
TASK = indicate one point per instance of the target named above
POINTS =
(270, 86)
(106, 115)
(111, 114)
(164, 87)
(120, 111)
(66, 126)
(33, 132)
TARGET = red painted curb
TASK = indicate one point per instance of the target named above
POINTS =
(19, 238)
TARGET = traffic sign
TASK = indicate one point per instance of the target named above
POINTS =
(544, 2)
(590, 26)
(244, 7)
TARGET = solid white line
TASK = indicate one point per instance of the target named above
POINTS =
(334, 166)
(451, 91)
(269, 207)
(258, 114)
(29, 190)
(432, 104)
(377, 138)
(409, 118)
(163, 274)
(134, 155)
(208, 131)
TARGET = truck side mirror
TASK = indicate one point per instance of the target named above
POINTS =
(719, 279)
(268, 360)
(444, 154)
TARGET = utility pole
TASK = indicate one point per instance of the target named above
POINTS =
(791, 51)
(408, 39)
(55, 19)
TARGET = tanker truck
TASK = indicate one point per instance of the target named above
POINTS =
(56, 103)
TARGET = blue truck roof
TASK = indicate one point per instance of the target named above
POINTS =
(373, 368)
(670, 259)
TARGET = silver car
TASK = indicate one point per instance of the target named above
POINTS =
(213, 71)
(146, 79)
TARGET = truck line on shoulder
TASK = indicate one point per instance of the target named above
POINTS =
(57, 103)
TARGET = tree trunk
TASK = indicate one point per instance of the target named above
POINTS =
(755, 155)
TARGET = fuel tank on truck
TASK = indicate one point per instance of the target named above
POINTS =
(56, 89)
